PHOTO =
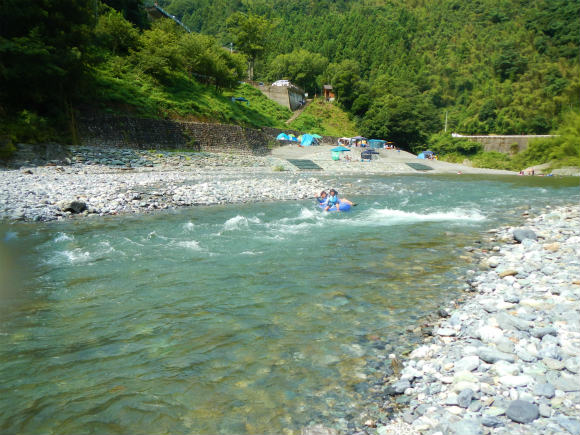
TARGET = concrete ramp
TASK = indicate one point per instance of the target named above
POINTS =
(419, 167)
(305, 165)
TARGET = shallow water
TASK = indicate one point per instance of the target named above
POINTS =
(259, 318)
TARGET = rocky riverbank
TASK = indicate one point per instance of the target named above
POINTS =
(508, 360)
(92, 181)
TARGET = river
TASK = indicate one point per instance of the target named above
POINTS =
(259, 318)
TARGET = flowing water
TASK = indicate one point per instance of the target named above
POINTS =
(258, 318)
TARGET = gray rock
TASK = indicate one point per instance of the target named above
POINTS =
(475, 406)
(573, 364)
(544, 390)
(464, 398)
(74, 206)
(491, 421)
(567, 383)
(446, 332)
(521, 411)
(491, 356)
(521, 234)
(399, 387)
(467, 364)
(467, 426)
(545, 410)
(572, 425)
(541, 332)
(507, 321)
(524, 355)
(512, 299)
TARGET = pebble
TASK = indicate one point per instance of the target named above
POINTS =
(511, 357)
(121, 181)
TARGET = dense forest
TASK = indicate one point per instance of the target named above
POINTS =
(407, 71)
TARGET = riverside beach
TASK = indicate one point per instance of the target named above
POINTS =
(508, 360)
(104, 181)
(502, 358)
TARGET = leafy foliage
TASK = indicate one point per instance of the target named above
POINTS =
(325, 119)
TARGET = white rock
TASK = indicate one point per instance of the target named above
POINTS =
(516, 381)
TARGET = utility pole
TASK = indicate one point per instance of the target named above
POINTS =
(446, 121)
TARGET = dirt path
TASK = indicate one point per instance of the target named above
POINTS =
(298, 112)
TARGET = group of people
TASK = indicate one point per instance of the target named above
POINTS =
(330, 199)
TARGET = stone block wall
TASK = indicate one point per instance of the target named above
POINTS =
(144, 133)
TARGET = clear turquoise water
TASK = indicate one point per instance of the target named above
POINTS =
(258, 318)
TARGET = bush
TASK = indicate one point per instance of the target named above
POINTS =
(444, 144)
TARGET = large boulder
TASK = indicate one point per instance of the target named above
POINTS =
(74, 207)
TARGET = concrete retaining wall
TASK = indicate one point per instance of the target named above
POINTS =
(504, 144)
(287, 96)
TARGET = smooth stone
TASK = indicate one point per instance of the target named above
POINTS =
(504, 368)
(490, 334)
(521, 411)
(446, 332)
(573, 364)
(567, 383)
(512, 299)
(545, 410)
(451, 399)
(521, 234)
(541, 332)
(553, 364)
(467, 364)
(467, 426)
(508, 272)
(460, 386)
(524, 355)
(495, 411)
(475, 406)
(507, 321)
(572, 425)
(464, 398)
(544, 390)
(491, 421)
(516, 381)
(399, 387)
(491, 356)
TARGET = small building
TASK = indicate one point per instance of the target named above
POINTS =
(328, 93)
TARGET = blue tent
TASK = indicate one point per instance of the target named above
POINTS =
(425, 154)
(282, 136)
(308, 140)
(377, 143)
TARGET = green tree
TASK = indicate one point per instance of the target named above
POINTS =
(44, 47)
(301, 67)
(160, 53)
(250, 36)
(116, 33)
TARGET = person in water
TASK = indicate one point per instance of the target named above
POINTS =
(334, 201)
(323, 198)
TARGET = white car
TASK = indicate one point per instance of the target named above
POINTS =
(282, 83)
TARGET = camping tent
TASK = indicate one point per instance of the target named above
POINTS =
(308, 140)
(377, 143)
(425, 155)
(282, 136)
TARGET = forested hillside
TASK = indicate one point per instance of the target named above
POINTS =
(493, 66)
(403, 70)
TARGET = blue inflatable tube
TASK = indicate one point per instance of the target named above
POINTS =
(343, 206)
